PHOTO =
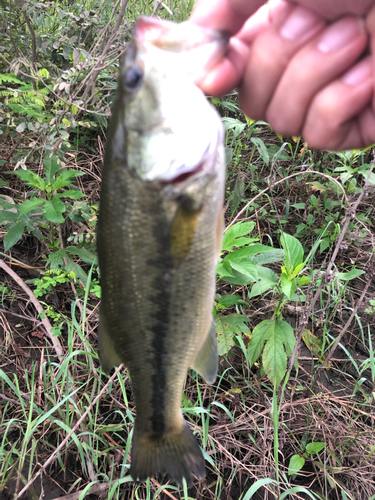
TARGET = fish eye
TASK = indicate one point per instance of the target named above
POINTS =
(133, 77)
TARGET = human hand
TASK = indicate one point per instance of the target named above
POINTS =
(302, 74)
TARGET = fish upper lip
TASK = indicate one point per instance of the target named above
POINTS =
(206, 46)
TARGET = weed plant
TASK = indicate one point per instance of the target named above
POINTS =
(291, 414)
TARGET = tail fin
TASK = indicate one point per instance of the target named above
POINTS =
(176, 453)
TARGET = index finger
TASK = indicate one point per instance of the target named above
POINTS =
(226, 15)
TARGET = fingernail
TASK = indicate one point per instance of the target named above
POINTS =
(359, 74)
(340, 33)
(298, 24)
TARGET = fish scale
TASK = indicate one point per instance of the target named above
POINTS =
(158, 246)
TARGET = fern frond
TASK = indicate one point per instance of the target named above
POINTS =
(9, 78)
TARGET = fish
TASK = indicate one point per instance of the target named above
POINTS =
(159, 236)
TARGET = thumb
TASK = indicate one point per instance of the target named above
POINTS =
(226, 15)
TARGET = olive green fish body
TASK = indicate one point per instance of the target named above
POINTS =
(158, 242)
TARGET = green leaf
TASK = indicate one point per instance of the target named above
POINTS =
(56, 259)
(14, 234)
(310, 220)
(278, 339)
(248, 251)
(354, 273)
(233, 124)
(300, 206)
(51, 166)
(324, 244)
(43, 72)
(318, 186)
(262, 150)
(315, 447)
(275, 255)
(296, 463)
(288, 286)
(298, 298)
(278, 153)
(88, 256)
(267, 281)
(31, 179)
(261, 286)
(255, 487)
(237, 194)
(232, 237)
(29, 205)
(65, 178)
(53, 210)
(228, 156)
(303, 280)
(7, 216)
(238, 279)
(72, 194)
(229, 300)
(365, 171)
(245, 267)
(223, 269)
(260, 334)
(274, 360)
(267, 274)
(286, 332)
(72, 266)
(293, 251)
(298, 269)
(227, 327)
(9, 78)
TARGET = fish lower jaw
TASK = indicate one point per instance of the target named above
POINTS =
(184, 176)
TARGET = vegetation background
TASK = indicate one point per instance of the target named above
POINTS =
(296, 276)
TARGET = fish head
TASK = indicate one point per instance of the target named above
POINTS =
(172, 132)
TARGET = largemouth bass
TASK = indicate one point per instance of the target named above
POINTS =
(159, 236)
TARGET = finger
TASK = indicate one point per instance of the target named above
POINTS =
(333, 9)
(289, 29)
(228, 73)
(370, 25)
(313, 67)
(340, 116)
(228, 15)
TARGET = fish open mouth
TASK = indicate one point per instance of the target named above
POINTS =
(185, 176)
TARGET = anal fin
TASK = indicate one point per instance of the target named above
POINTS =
(206, 362)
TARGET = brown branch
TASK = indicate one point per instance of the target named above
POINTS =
(95, 72)
(33, 43)
(96, 489)
(22, 264)
(28, 318)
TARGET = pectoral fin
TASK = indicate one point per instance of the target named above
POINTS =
(206, 363)
(108, 355)
(182, 233)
